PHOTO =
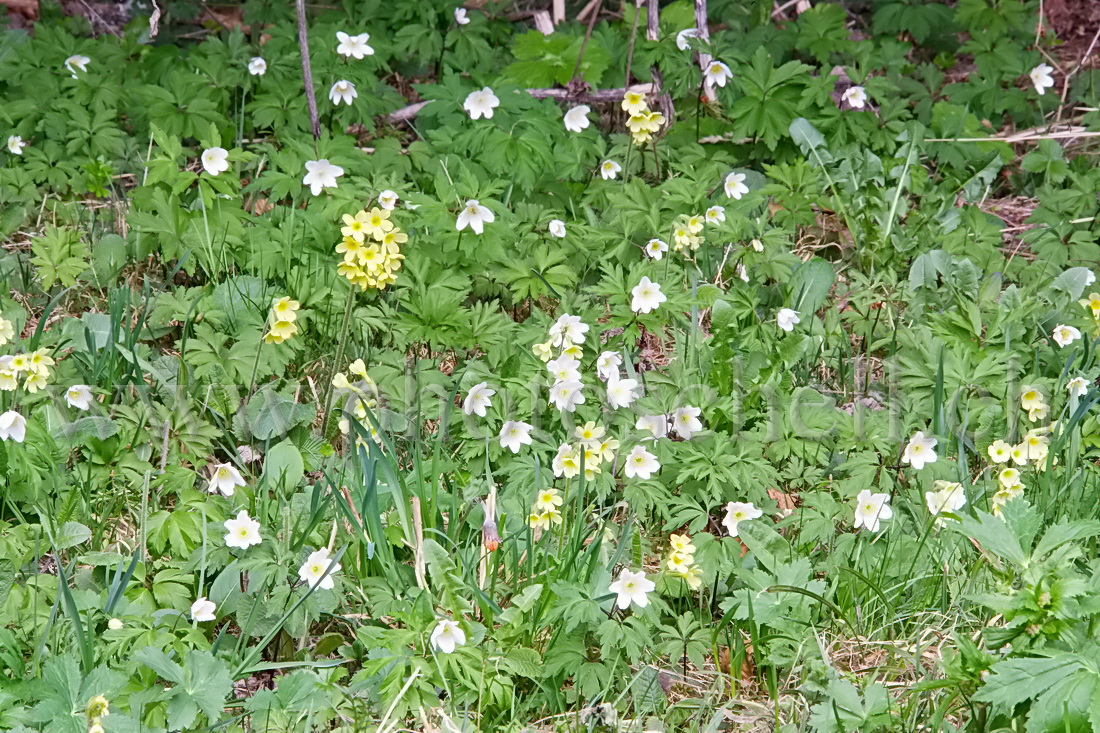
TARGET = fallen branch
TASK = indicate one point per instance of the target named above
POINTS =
(597, 96)
(307, 72)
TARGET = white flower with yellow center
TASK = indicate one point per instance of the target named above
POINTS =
(632, 588)
(475, 216)
(1065, 335)
(855, 96)
(737, 512)
(920, 450)
(77, 63)
(947, 497)
(478, 399)
(565, 396)
(715, 215)
(576, 119)
(621, 392)
(640, 463)
(657, 425)
(609, 169)
(355, 47)
(655, 248)
(564, 368)
(342, 91)
(567, 461)
(871, 509)
(481, 103)
(646, 296)
(685, 421)
(13, 427)
(1041, 78)
(215, 160)
(318, 569)
(16, 145)
(1077, 387)
(224, 479)
(447, 636)
(999, 451)
(514, 434)
(734, 186)
(79, 396)
(717, 74)
(607, 364)
(242, 531)
(321, 174)
(568, 330)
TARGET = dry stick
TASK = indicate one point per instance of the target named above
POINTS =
(307, 73)
(1074, 70)
(630, 49)
(652, 32)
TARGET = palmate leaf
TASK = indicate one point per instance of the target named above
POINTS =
(199, 685)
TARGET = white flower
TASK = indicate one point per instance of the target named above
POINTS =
(387, 200)
(855, 96)
(314, 569)
(1065, 335)
(568, 331)
(786, 319)
(460, 16)
(79, 396)
(514, 434)
(647, 296)
(920, 450)
(633, 588)
(353, 46)
(656, 424)
(567, 462)
(717, 73)
(320, 174)
(215, 160)
(685, 421)
(447, 636)
(257, 66)
(477, 399)
(742, 272)
(609, 169)
(557, 227)
(640, 463)
(13, 426)
(576, 119)
(735, 185)
(79, 63)
(203, 610)
(607, 364)
(242, 532)
(481, 103)
(224, 479)
(1090, 278)
(655, 248)
(870, 509)
(682, 38)
(1077, 387)
(564, 368)
(737, 512)
(715, 215)
(16, 145)
(115, 624)
(475, 216)
(757, 245)
(1041, 78)
(342, 91)
(621, 392)
(565, 396)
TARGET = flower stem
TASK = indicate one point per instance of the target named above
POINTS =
(339, 358)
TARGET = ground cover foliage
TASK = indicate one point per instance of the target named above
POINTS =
(646, 374)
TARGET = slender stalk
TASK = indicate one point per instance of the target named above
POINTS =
(339, 358)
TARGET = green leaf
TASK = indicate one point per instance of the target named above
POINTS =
(284, 465)
(72, 534)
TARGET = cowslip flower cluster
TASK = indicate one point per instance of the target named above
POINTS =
(1033, 449)
(95, 711)
(282, 320)
(590, 450)
(371, 247)
(643, 122)
(362, 396)
(545, 510)
(680, 562)
(1031, 399)
(33, 368)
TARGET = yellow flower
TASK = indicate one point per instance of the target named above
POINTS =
(285, 309)
(547, 500)
(543, 351)
(280, 332)
(678, 562)
(634, 103)
(19, 363)
(359, 368)
(589, 432)
(606, 450)
(538, 521)
(1092, 303)
(349, 248)
(574, 351)
(377, 223)
(355, 226)
(40, 362)
(681, 543)
(1031, 398)
(35, 382)
(695, 224)
(693, 576)
(392, 240)
(999, 451)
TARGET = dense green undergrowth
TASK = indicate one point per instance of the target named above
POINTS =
(723, 401)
